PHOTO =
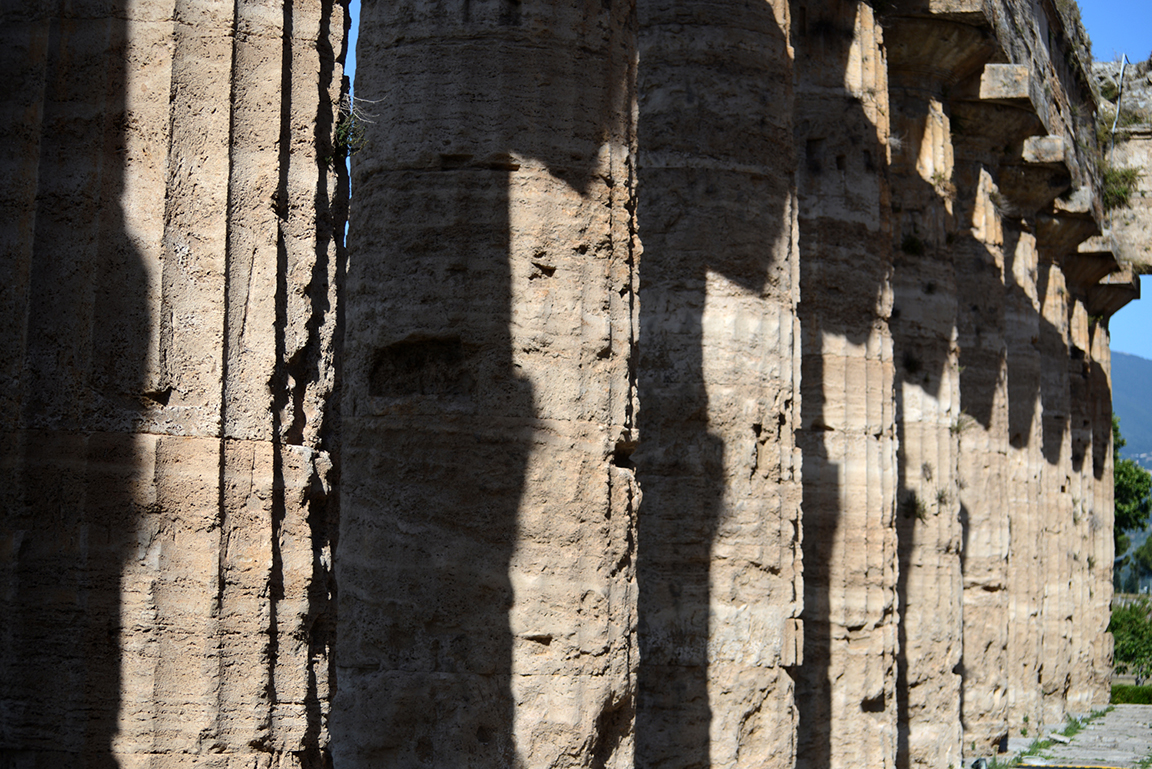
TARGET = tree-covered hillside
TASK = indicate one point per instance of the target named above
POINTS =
(1132, 402)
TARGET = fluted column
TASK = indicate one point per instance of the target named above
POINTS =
(982, 430)
(846, 684)
(928, 409)
(1025, 568)
(719, 549)
(167, 434)
(488, 529)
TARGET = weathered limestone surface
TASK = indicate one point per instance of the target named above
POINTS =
(862, 377)
(1130, 225)
(719, 558)
(982, 429)
(487, 564)
(984, 326)
(169, 327)
(846, 684)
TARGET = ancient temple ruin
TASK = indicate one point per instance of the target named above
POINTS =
(704, 383)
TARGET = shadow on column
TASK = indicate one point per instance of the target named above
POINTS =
(845, 268)
(488, 110)
(715, 177)
(76, 337)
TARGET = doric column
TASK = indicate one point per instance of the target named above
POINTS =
(169, 323)
(929, 55)
(845, 688)
(719, 557)
(488, 527)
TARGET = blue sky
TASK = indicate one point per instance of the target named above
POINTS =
(1116, 27)
(350, 60)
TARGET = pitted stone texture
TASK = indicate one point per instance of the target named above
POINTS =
(488, 541)
(982, 429)
(846, 683)
(719, 560)
(171, 336)
(928, 402)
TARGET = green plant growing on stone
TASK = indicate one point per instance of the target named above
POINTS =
(1129, 118)
(1118, 186)
(1037, 747)
(351, 133)
(961, 423)
(913, 507)
(1109, 90)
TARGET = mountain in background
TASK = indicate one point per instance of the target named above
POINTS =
(1132, 402)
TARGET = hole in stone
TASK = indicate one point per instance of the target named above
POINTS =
(621, 455)
(814, 155)
(483, 735)
(159, 396)
(541, 270)
(510, 13)
(421, 367)
(873, 704)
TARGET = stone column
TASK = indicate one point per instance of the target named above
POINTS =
(982, 431)
(1025, 570)
(1056, 522)
(927, 57)
(488, 530)
(845, 688)
(1085, 621)
(1101, 521)
(170, 324)
(719, 560)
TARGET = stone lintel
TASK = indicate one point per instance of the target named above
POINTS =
(996, 123)
(953, 7)
(1129, 254)
(1030, 188)
(1082, 201)
(970, 11)
(929, 52)
(1085, 269)
(1006, 82)
(1060, 233)
(1114, 291)
(1046, 150)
